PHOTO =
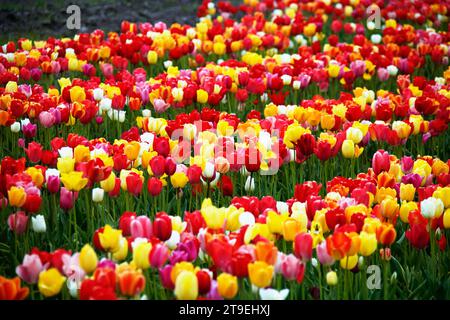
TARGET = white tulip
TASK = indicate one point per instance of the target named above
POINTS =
(246, 219)
(98, 94)
(105, 104)
(249, 184)
(375, 38)
(98, 194)
(38, 224)
(282, 207)
(209, 170)
(173, 240)
(272, 294)
(66, 152)
(15, 127)
(146, 113)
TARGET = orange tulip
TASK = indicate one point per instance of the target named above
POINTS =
(386, 234)
(131, 282)
(267, 252)
(10, 289)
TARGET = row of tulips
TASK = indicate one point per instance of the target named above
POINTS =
(308, 246)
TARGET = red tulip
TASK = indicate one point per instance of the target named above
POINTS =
(124, 222)
(239, 263)
(157, 165)
(380, 161)
(154, 186)
(303, 246)
(34, 152)
(204, 281)
(134, 184)
(162, 226)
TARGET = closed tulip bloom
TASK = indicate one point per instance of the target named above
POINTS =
(322, 254)
(110, 239)
(291, 227)
(444, 195)
(406, 208)
(186, 286)
(10, 289)
(260, 273)
(202, 96)
(53, 184)
(50, 282)
(122, 252)
(65, 165)
(267, 252)
(332, 278)
(431, 208)
(154, 186)
(303, 246)
(349, 262)
(179, 180)
(275, 221)
(131, 282)
(159, 255)
(30, 268)
(152, 57)
(386, 234)
(88, 259)
(348, 149)
(98, 194)
(162, 226)
(67, 199)
(407, 192)
(368, 243)
(354, 134)
(77, 94)
(389, 207)
(16, 196)
(132, 150)
(227, 285)
(18, 222)
(38, 224)
(289, 266)
(446, 219)
(380, 161)
(141, 255)
(109, 183)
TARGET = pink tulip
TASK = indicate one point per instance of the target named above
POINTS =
(289, 266)
(47, 119)
(71, 267)
(322, 254)
(164, 275)
(67, 199)
(30, 268)
(160, 105)
(159, 255)
(406, 164)
(53, 184)
(303, 246)
(141, 227)
(17, 222)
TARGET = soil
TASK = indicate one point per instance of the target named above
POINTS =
(40, 19)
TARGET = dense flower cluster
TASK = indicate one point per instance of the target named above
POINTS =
(275, 149)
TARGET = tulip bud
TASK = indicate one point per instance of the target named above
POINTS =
(98, 194)
(332, 278)
(88, 259)
(249, 184)
(15, 127)
(38, 224)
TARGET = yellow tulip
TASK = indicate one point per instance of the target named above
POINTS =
(50, 282)
(81, 153)
(348, 149)
(406, 208)
(74, 180)
(275, 221)
(179, 180)
(214, 217)
(202, 96)
(349, 262)
(109, 183)
(180, 267)
(447, 219)
(132, 150)
(141, 255)
(368, 243)
(227, 285)
(122, 253)
(16, 196)
(110, 239)
(152, 57)
(77, 94)
(260, 273)
(88, 258)
(186, 286)
(407, 192)
(291, 228)
(65, 165)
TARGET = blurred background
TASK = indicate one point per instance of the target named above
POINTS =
(40, 18)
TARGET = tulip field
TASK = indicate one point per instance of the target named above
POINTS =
(273, 149)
